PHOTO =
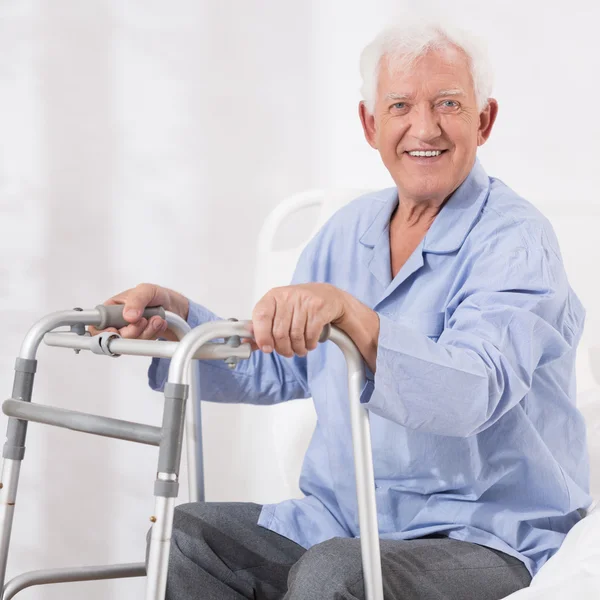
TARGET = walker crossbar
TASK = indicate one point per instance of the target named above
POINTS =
(72, 574)
(118, 346)
(193, 344)
(84, 422)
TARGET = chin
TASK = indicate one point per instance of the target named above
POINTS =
(427, 192)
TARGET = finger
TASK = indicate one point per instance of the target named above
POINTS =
(282, 323)
(253, 344)
(118, 299)
(155, 327)
(134, 330)
(137, 299)
(297, 330)
(314, 327)
(262, 323)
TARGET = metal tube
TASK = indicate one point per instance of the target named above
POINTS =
(71, 574)
(78, 421)
(193, 438)
(198, 337)
(154, 348)
(8, 495)
(193, 421)
(160, 542)
(363, 467)
(52, 321)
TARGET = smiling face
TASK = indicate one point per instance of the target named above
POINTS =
(426, 124)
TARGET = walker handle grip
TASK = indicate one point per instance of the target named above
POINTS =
(112, 316)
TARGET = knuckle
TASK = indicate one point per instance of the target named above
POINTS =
(297, 335)
(261, 314)
(311, 344)
(316, 302)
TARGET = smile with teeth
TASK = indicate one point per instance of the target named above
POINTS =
(425, 152)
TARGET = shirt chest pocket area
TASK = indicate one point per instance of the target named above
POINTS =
(429, 323)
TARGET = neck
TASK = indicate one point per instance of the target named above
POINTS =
(415, 214)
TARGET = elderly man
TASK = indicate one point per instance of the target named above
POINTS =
(453, 289)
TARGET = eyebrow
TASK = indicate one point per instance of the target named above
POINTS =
(454, 92)
(450, 92)
(393, 96)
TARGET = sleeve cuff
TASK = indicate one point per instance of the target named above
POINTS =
(159, 367)
(367, 391)
(394, 339)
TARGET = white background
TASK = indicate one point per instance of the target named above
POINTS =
(147, 141)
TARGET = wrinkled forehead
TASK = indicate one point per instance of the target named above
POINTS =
(437, 68)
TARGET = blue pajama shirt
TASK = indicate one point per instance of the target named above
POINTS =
(474, 426)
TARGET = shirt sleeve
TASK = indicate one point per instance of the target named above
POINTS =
(514, 314)
(262, 379)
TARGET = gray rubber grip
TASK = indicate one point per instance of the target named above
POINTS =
(112, 316)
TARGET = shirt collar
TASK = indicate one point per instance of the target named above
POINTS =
(453, 223)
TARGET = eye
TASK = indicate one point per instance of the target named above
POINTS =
(449, 104)
(399, 105)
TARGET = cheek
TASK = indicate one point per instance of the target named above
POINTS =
(390, 137)
(462, 135)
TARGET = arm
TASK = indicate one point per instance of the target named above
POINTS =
(513, 316)
(262, 379)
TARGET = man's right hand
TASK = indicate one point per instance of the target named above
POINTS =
(134, 302)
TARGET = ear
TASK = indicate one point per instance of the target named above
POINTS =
(487, 118)
(368, 125)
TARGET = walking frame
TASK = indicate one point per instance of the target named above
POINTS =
(178, 416)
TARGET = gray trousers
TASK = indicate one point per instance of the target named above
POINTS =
(218, 552)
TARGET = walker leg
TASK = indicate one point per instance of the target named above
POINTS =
(166, 488)
(13, 453)
(160, 547)
(8, 494)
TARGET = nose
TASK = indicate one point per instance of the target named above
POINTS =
(425, 125)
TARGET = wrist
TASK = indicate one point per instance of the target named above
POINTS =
(350, 311)
(178, 304)
(362, 325)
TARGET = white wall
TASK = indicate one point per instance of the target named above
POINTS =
(147, 141)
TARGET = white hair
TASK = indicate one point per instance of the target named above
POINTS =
(405, 42)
